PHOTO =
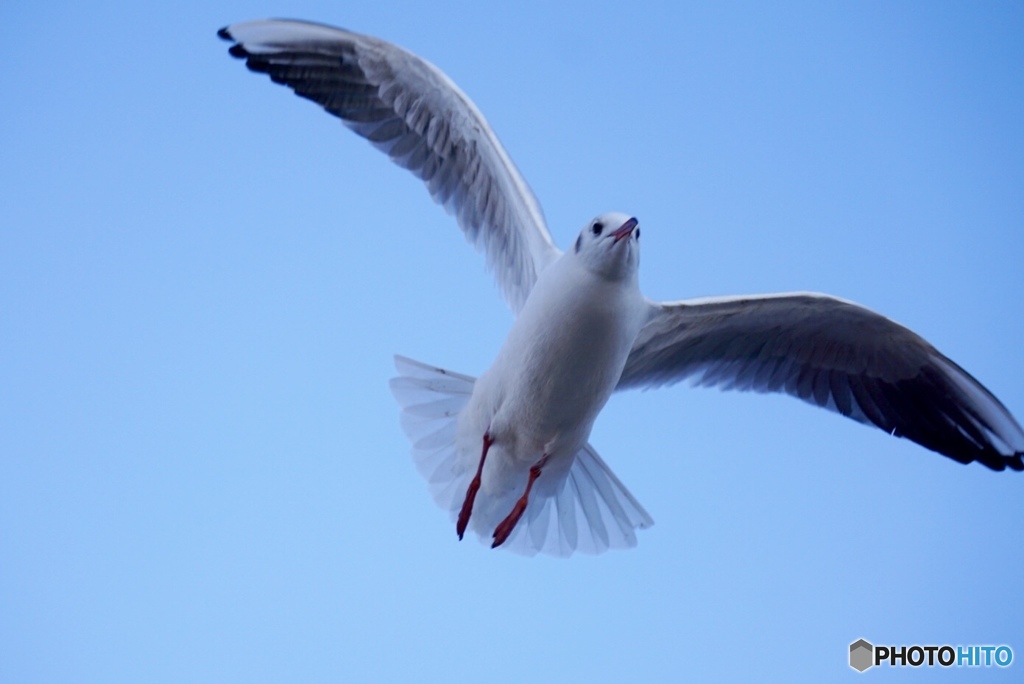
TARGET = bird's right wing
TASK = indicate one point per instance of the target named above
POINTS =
(414, 113)
(834, 354)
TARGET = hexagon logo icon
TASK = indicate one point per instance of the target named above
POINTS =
(862, 655)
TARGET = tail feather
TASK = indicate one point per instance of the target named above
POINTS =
(587, 509)
(431, 399)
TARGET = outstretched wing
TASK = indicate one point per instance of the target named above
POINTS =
(834, 354)
(411, 111)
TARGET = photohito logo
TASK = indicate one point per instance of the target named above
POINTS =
(863, 655)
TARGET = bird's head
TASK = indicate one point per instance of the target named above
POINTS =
(609, 245)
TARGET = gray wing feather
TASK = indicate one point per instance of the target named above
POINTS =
(834, 354)
(412, 112)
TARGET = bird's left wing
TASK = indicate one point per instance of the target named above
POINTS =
(834, 354)
(414, 113)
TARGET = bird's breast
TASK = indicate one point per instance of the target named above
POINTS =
(562, 359)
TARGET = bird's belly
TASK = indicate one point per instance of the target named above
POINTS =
(556, 380)
(564, 385)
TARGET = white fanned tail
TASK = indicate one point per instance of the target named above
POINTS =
(590, 510)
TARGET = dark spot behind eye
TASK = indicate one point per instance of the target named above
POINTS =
(598, 227)
(579, 240)
(637, 233)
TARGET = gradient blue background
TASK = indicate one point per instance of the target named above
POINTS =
(203, 279)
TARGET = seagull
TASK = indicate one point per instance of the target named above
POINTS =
(507, 454)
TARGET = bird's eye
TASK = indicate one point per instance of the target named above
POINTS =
(637, 233)
(598, 227)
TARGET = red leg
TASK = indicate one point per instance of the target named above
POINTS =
(505, 527)
(474, 486)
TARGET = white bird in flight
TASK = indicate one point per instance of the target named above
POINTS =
(507, 453)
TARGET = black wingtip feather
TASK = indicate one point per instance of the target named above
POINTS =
(224, 34)
(238, 51)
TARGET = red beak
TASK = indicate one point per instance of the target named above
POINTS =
(625, 230)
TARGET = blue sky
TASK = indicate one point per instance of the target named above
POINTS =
(203, 279)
